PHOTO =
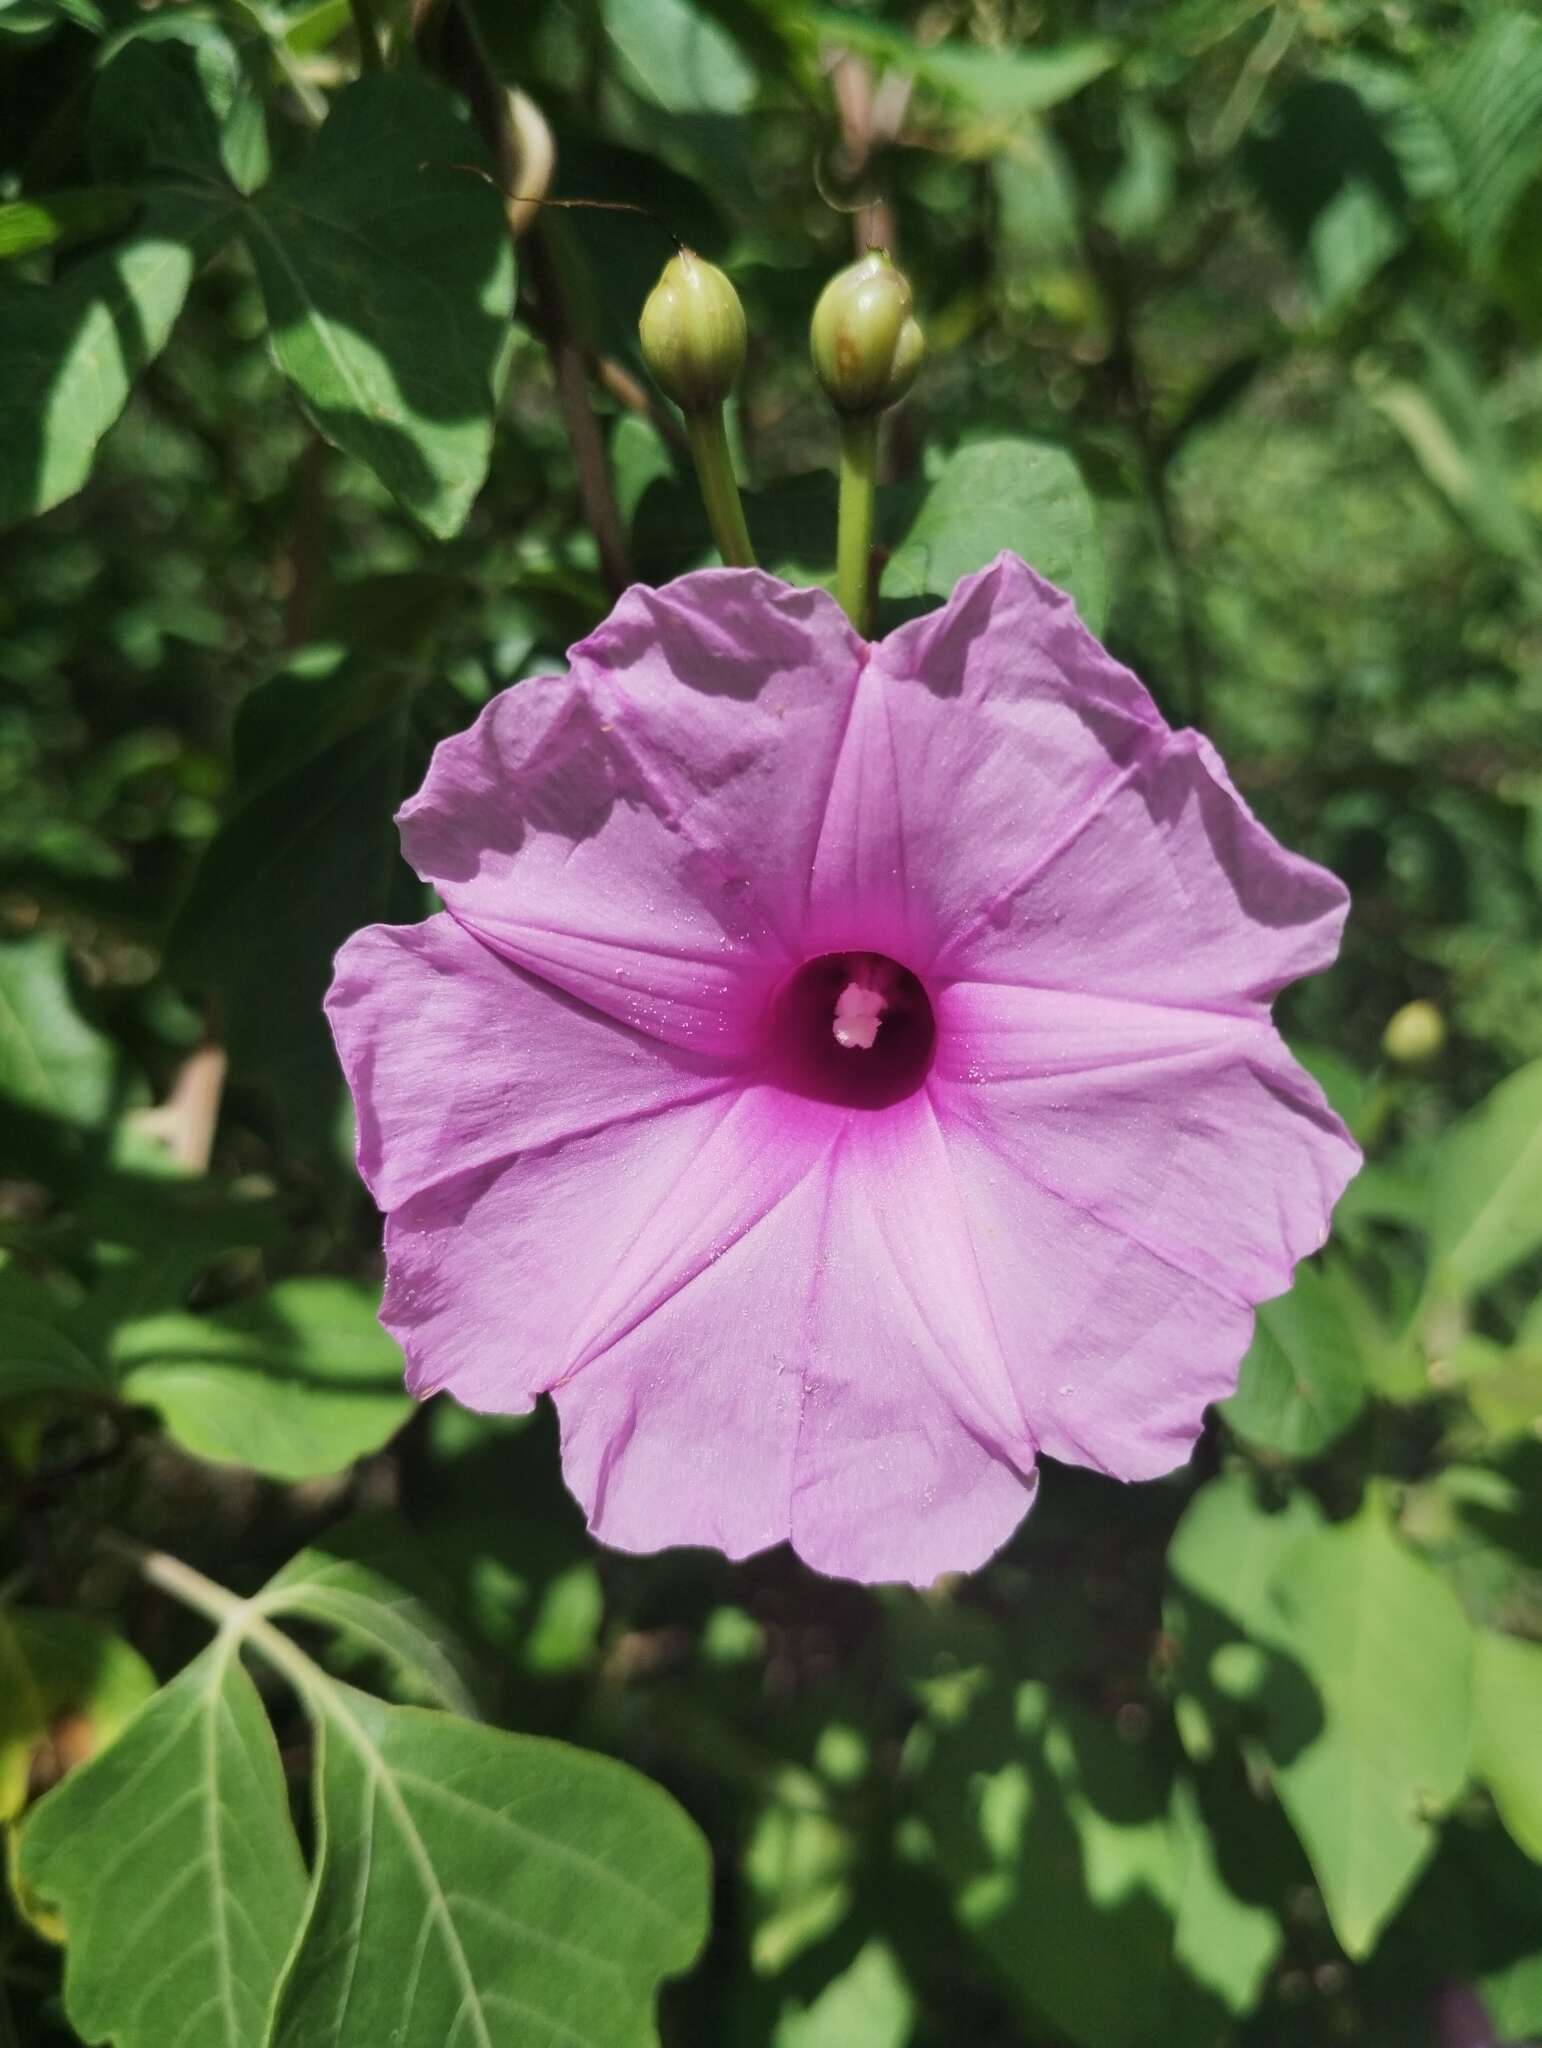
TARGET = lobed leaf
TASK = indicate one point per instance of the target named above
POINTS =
(172, 1864)
(368, 1584)
(482, 1890)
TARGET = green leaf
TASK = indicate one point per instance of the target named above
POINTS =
(308, 855)
(1507, 1677)
(81, 1667)
(1384, 1642)
(1326, 173)
(1303, 1379)
(1000, 88)
(297, 1383)
(678, 57)
(172, 1862)
(66, 1681)
(386, 265)
(71, 350)
(58, 1074)
(21, 1718)
(1226, 1944)
(1491, 105)
(368, 1583)
(51, 1061)
(485, 1888)
(39, 1358)
(1024, 495)
(506, 1533)
(1486, 1181)
(58, 220)
(1222, 1562)
(1447, 418)
(30, 20)
(1512, 1997)
(175, 96)
(1348, 1657)
(154, 1238)
(799, 1864)
(869, 2005)
(1052, 1836)
(1136, 200)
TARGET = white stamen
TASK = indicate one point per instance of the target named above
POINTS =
(858, 1013)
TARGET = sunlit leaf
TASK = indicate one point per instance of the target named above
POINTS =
(486, 1888)
(1491, 104)
(59, 220)
(1303, 1379)
(21, 1718)
(1053, 1838)
(385, 262)
(1224, 1942)
(173, 1866)
(175, 95)
(1508, 1755)
(1383, 1642)
(1486, 1182)
(1024, 495)
(298, 1382)
(678, 57)
(868, 2005)
(51, 1061)
(368, 1584)
(70, 351)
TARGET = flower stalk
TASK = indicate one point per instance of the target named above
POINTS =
(854, 527)
(719, 488)
(866, 346)
(693, 341)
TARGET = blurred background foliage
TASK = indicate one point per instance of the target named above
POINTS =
(1234, 312)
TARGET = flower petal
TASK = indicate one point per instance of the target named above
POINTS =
(855, 1409)
(458, 1061)
(1138, 1179)
(1166, 890)
(913, 1457)
(639, 832)
(978, 736)
(612, 1271)
(864, 1413)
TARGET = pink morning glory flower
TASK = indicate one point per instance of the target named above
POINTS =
(840, 1073)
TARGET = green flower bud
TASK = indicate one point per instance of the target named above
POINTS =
(866, 343)
(692, 332)
(1415, 1033)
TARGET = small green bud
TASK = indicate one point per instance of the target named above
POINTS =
(866, 343)
(1415, 1033)
(693, 333)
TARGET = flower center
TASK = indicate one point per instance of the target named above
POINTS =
(853, 1028)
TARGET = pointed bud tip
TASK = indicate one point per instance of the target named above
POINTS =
(693, 333)
(866, 343)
